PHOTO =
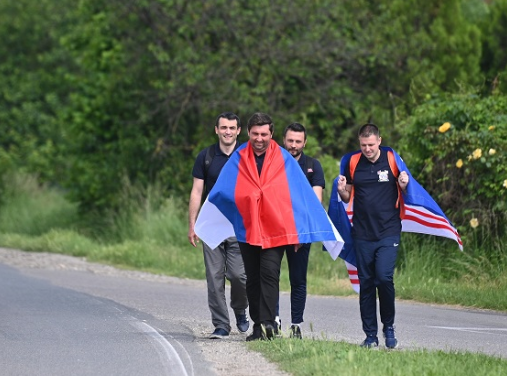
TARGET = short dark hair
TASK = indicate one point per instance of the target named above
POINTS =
(368, 130)
(260, 118)
(228, 116)
(295, 127)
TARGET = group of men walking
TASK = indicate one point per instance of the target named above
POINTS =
(262, 199)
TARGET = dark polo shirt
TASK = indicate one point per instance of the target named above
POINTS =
(218, 162)
(375, 195)
(315, 177)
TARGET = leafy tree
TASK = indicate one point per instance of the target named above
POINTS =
(132, 89)
(494, 50)
(32, 66)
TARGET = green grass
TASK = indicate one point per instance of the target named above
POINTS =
(321, 357)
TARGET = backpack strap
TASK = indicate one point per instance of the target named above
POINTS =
(308, 166)
(396, 172)
(210, 154)
(353, 161)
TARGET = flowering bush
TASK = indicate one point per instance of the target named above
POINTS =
(451, 145)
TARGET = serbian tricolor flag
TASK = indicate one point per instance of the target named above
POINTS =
(418, 211)
(274, 209)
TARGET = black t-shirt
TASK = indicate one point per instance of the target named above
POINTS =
(218, 162)
(375, 195)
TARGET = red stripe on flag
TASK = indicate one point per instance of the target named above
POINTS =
(425, 214)
(264, 202)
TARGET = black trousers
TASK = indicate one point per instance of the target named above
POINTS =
(262, 268)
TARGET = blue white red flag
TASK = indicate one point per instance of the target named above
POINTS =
(277, 208)
(419, 213)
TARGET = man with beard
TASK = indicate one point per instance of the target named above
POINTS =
(294, 140)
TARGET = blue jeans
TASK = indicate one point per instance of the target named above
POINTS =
(376, 261)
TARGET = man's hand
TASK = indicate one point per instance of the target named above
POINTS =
(342, 183)
(403, 180)
(192, 237)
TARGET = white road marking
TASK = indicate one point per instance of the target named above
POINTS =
(173, 362)
(471, 330)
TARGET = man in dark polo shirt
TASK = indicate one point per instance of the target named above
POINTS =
(294, 140)
(225, 261)
(369, 181)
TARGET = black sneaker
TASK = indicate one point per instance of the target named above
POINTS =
(268, 331)
(295, 331)
(391, 341)
(242, 322)
(256, 334)
(219, 333)
(371, 342)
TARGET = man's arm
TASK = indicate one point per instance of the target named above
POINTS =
(317, 181)
(318, 192)
(193, 209)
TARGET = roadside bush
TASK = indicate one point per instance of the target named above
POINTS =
(454, 145)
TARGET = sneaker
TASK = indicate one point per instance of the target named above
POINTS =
(278, 322)
(268, 331)
(295, 331)
(391, 341)
(219, 333)
(256, 334)
(370, 342)
(242, 322)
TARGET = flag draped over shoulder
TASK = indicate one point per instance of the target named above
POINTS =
(418, 211)
(274, 209)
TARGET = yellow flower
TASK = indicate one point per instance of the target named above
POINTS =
(474, 222)
(459, 163)
(469, 157)
(491, 151)
(491, 127)
(505, 183)
(444, 127)
(477, 154)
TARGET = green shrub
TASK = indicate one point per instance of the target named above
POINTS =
(454, 145)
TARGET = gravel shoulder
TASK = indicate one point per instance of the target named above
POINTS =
(243, 363)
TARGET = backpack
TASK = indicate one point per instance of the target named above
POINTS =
(354, 160)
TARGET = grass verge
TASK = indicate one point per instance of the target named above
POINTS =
(340, 358)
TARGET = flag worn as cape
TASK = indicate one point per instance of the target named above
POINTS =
(419, 213)
(277, 208)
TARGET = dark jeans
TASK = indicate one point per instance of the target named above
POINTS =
(375, 266)
(298, 268)
(262, 267)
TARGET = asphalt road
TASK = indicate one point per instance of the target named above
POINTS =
(62, 322)
(47, 329)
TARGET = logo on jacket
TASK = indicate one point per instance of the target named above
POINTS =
(383, 176)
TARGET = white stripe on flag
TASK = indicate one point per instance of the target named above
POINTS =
(212, 227)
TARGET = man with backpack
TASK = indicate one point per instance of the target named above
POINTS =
(371, 179)
(294, 140)
(225, 261)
